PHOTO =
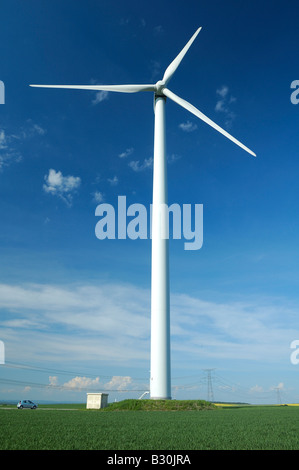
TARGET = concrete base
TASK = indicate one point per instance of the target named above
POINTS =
(161, 398)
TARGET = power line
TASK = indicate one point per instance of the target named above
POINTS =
(278, 396)
(209, 379)
(210, 396)
(63, 387)
(240, 391)
(24, 366)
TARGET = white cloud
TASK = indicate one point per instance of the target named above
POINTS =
(256, 389)
(9, 151)
(220, 106)
(223, 105)
(2, 139)
(155, 69)
(104, 322)
(188, 126)
(9, 157)
(113, 181)
(38, 129)
(223, 91)
(137, 166)
(30, 130)
(98, 197)
(118, 383)
(173, 158)
(280, 386)
(126, 153)
(124, 21)
(53, 380)
(158, 30)
(62, 186)
(100, 96)
(79, 383)
(111, 323)
(108, 325)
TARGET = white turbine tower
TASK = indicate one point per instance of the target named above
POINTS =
(160, 382)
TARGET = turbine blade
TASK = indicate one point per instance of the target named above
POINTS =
(200, 115)
(176, 62)
(117, 88)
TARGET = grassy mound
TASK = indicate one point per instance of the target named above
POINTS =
(159, 405)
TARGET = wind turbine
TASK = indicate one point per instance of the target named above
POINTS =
(160, 381)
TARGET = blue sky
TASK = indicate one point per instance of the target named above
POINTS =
(75, 310)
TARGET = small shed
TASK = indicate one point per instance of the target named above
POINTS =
(95, 401)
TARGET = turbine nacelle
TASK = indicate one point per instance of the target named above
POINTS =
(160, 85)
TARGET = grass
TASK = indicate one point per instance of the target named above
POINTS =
(160, 405)
(75, 428)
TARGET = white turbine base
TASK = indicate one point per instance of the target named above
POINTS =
(160, 383)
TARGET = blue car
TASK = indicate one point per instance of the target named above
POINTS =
(26, 404)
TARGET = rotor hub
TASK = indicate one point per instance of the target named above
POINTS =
(159, 87)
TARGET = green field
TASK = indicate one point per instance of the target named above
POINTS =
(73, 427)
